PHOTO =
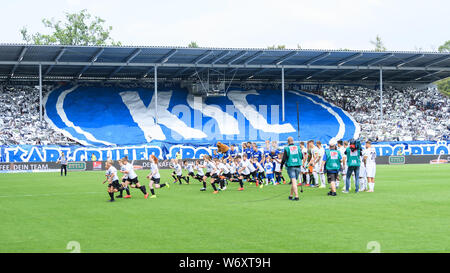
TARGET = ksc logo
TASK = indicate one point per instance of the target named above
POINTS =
(116, 116)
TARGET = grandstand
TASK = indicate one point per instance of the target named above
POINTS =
(57, 95)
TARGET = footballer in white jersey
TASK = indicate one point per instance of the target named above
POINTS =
(111, 173)
(154, 176)
(260, 172)
(223, 173)
(199, 168)
(124, 180)
(362, 174)
(201, 176)
(244, 167)
(242, 170)
(189, 166)
(342, 149)
(311, 158)
(132, 177)
(213, 166)
(304, 152)
(177, 174)
(112, 179)
(277, 169)
(252, 169)
(318, 168)
(369, 159)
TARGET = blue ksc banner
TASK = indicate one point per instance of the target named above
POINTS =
(50, 153)
(110, 116)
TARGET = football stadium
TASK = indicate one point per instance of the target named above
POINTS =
(158, 149)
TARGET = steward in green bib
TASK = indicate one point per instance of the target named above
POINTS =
(294, 155)
(353, 157)
(293, 158)
(331, 163)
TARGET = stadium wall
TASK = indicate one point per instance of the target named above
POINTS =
(34, 167)
(50, 153)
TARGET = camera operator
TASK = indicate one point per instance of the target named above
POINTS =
(353, 161)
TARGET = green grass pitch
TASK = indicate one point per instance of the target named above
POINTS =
(409, 212)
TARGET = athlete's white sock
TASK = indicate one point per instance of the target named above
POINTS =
(307, 178)
(322, 179)
(371, 186)
(363, 183)
(316, 178)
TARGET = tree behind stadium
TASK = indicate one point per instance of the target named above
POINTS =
(378, 43)
(78, 29)
(444, 84)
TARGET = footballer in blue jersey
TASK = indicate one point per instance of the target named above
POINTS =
(233, 152)
(257, 154)
(216, 155)
(274, 153)
(248, 150)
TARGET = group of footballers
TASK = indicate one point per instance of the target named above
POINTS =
(220, 170)
(252, 165)
(130, 178)
(313, 170)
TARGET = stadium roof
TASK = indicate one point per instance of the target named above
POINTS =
(58, 62)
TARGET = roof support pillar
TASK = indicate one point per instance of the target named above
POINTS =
(156, 93)
(40, 92)
(282, 93)
(381, 93)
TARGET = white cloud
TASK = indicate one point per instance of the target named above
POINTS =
(73, 2)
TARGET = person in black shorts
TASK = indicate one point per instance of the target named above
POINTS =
(112, 178)
(155, 177)
(132, 178)
(209, 170)
(177, 174)
(189, 166)
(124, 182)
(63, 160)
(331, 163)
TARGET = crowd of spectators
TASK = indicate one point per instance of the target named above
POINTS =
(19, 118)
(408, 113)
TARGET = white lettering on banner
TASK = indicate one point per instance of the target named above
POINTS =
(228, 125)
(143, 116)
(146, 120)
(173, 122)
(254, 117)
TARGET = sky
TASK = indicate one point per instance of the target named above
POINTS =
(314, 24)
